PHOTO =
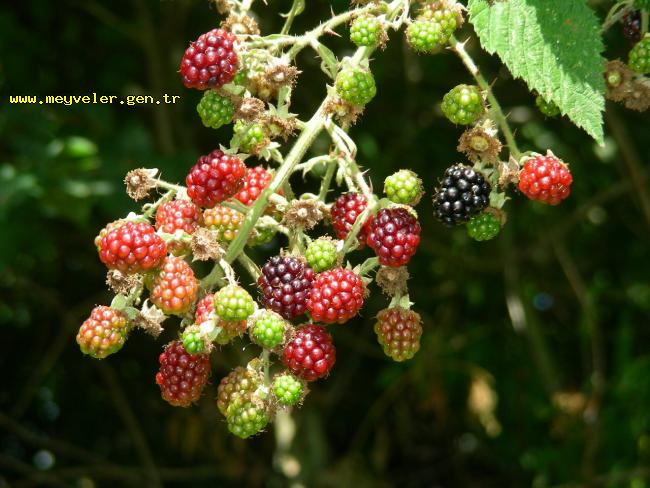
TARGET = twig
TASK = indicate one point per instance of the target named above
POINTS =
(495, 108)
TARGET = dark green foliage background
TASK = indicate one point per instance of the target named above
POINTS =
(580, 271)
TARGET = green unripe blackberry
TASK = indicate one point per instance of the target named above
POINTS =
(246, 418)
(287, 389)
(434, 26)
(483, 227)
(233, 303)
(425, 36)
(366, 31)
(356, 86)
(321, 254)
(261, 236)
(550, 109)
(268, 329)
(463, 104)
(403, 187)
(192, 340)
(215, 110)
(639, 59)
(248, 137)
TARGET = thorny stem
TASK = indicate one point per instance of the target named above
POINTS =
(351, 239)
(304, 141)
(150, 208)
(327, 180)
(495, 107)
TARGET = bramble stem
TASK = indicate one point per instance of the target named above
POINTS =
(290, 16)
(495, 107)
(304, 141)
(327, 180)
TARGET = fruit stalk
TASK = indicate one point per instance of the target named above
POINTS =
(497, 112)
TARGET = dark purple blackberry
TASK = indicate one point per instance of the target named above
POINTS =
(285, 284)
(463, 194)
(632, 26)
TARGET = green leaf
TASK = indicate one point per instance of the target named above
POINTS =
(555, 46)
(330, 63)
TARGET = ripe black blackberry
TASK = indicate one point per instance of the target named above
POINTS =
(463, 194)
(632, 26)
(285, 284)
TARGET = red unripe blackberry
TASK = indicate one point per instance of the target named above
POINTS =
(398, 332)
(285, 284)
(215, 178)
(462, 194)
(103, 333)
(255, 180)
(345, 211)
(310, 354)
(210, 61)
(178, 215)
(132, 247)
(394, 235)
(545, 179)
(204, 309)
(174, 287)
(336, 296)
(182, 376)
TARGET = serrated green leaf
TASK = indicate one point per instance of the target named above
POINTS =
(555, 46)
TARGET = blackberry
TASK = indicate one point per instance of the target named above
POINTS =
(424, 36)
(224, 220)
(483, 227)
(434, 26)
(336, 296)
(232, 303)
(214, 178)
(239, 383)
(182, 376)
(287, 389)
(366, 31)
(285, 284)
(268, 329)
(463, 194)
(310, 354)
(639, 59)
(210, 61)
(356, 86)
(398, 332)
(246, 418)
(548, 108)
(345, 211)
(250, 138)
(463, 104)
(215, 110)
(403, 187)
(103, 333)
(321, 254)
(192, 340)
(632, 26)
(394, 235)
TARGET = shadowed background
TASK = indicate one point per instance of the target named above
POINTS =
(534, 367)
